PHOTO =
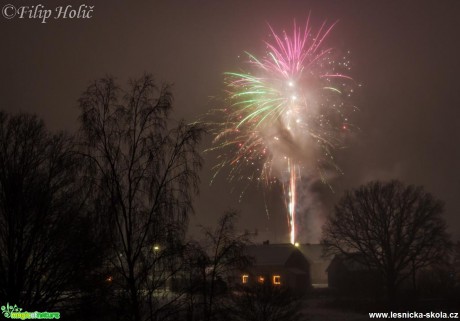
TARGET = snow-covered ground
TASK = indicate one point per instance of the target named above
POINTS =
(315, 311)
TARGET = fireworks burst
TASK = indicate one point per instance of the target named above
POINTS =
(286, 113)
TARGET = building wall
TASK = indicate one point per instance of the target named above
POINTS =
(297, 281)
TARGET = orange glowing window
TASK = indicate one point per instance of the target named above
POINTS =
(276, 279)
(261, 279)
(244, 278)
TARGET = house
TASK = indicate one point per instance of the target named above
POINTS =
(318, 263)
(279, 264)
(348, 275)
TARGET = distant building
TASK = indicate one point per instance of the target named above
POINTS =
(318, 263)
(279, 264)
(349, 276)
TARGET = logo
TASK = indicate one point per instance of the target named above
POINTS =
(14, 312)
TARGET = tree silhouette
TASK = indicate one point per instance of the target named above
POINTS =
(225, 248)
(396, 229)
(212, 267)
(145, 172)
(45, 243)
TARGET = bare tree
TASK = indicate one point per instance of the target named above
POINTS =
(213, 266)
(396, 229)
(145, 170)
(226, 255)
(43, 234)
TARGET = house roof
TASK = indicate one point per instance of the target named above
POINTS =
(271, 254)
(313, 252)
(351, 262)
(296, 271)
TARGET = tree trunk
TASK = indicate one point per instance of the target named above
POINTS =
(391, 290)
(135, 313)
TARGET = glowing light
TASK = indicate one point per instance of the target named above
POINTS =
(244, 278)
(156, 248)
(276, 279)
(261, 279)
(296, 244)
(285, 109)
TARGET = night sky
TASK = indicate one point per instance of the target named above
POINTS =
(406, 55)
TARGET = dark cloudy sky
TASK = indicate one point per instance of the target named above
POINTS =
(405, 53)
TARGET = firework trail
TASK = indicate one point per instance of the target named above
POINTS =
(285, 113)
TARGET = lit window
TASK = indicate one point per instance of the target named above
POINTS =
(261, 279)
(244, 278)
(276, 279)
